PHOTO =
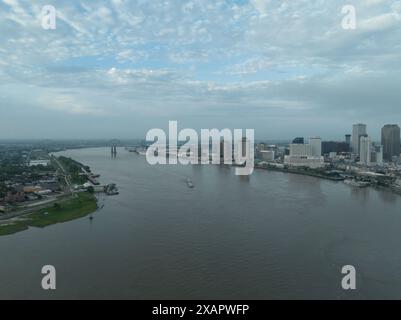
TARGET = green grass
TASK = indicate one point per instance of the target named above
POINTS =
(13, 228)
(72, 209)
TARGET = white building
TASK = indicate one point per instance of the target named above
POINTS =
(316, 144)
(267, 155)
(301, 150)
(34, 163)
(365, 145)
(302, 161)
(333, 155)
(358, 130)
(306, 155)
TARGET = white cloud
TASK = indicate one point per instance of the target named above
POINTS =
(12, 3)
(261, 5)
(374, 2)
(381, 22)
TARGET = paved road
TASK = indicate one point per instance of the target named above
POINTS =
(26, 211)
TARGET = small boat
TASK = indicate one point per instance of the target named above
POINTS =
(190, 184)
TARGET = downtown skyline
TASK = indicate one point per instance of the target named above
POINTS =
(284, 138)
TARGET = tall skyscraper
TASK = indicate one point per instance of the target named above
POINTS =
(358, 131)
(391, 141)
(365, 150)
(298, 140)
(348, 139)
(377, 155)
(316, 143)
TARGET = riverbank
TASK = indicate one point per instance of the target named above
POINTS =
(302, 172)
(74, 208)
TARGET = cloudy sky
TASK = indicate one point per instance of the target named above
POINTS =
(118, 68)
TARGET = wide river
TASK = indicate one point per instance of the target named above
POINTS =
(270, 236)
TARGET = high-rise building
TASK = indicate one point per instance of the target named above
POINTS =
(348, 139)
(298, 140)
(365, 150)
(358, 131)
(379, 155)
(335, 146)
(391, 141)
(316, 143)
(376, 155)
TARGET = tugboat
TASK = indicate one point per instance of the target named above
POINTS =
(190, 184)
(111, 190)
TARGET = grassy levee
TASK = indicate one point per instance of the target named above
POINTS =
(72, 209)
(12, 228)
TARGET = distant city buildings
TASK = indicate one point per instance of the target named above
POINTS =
(390, 139)
(357, 148)
(371, 154)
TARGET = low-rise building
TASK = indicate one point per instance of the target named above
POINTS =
(304, 161)
(34, 163)
(32, 189)
(267, 155)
